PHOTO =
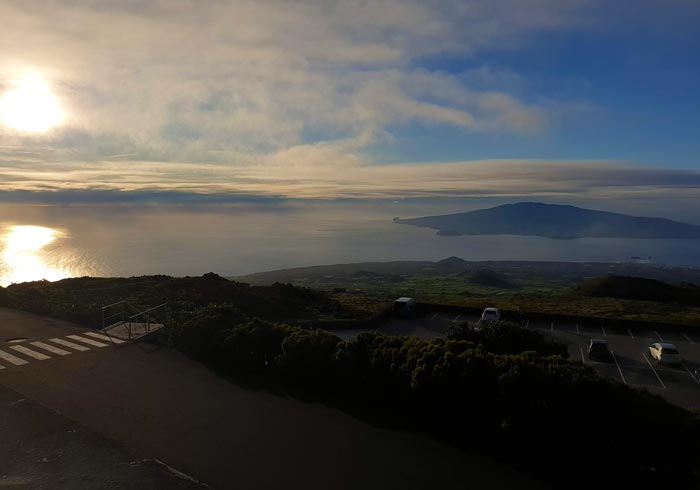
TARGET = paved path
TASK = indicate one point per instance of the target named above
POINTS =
(167, 407)
(43, 449)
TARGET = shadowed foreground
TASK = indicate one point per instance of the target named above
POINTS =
(167, 407)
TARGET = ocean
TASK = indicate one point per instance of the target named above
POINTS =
(53, 242)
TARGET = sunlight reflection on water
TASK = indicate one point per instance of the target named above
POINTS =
(31, 253)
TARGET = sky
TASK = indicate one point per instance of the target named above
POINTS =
(579, 101)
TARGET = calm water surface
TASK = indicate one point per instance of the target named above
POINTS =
(52, 242)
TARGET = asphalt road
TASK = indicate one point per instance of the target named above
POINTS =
(631, 363)
(161, 406)
(43, 449)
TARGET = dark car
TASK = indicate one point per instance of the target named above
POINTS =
(598, 349)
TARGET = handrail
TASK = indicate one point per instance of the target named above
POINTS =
(146, 311)
(128, 321)
(114, 304)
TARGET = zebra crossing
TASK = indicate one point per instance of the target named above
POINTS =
(24, 353)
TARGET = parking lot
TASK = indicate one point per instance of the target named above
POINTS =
(630, 362)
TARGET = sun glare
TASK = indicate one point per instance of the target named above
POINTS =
(22, 257)
(30, 106)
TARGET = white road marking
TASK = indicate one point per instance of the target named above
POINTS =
(87, 341)
(72, 345)
(527, 325)
(583, 358)
(50, 348)
(605, 334)
(618, 366)
(630, 332)
(31, 353)
(655, 373)
(457, 318)
(691, 374)
(551, 327)
(12, 359)
(577, 330)
(659, 336)
(433, 317)
(688, 338)
(108, 338)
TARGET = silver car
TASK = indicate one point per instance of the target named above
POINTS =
(665, 353)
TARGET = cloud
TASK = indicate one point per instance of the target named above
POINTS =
(220, 81)
(331, 170)
(288, 99)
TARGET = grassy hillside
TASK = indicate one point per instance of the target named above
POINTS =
(80, 299)
(654, 293)
(639, 288)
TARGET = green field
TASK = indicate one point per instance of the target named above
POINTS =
(542, 287)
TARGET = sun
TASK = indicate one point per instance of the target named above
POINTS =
(30, 106)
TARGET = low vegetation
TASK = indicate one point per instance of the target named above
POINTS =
(637, 292)
(80, 300)
(640, 288)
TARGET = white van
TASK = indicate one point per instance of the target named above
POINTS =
(491, 315)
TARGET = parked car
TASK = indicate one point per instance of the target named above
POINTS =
(665, 353)
(598, 349)
(491, 315)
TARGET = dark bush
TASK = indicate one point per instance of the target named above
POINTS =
(507, 338)
(306, 356)
(254, 346)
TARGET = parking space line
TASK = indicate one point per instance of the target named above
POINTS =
(659, 336)
(433, 317)
(618, 366)
(691, 374)
(578, 332)
(655, 373)
(604, 334)
(551, 327)
(583, 358)
(630, 332)
(457, 318)
(527, 325)
(687, 338)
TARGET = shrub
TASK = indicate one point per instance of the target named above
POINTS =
(508, 338)
(306, 356)
(254, 346)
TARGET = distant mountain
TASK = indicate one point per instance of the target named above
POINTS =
(553, 221)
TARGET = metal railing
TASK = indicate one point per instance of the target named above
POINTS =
(116, 314)
(148, 318)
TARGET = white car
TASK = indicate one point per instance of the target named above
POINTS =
(666, 353)
(491, 315)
